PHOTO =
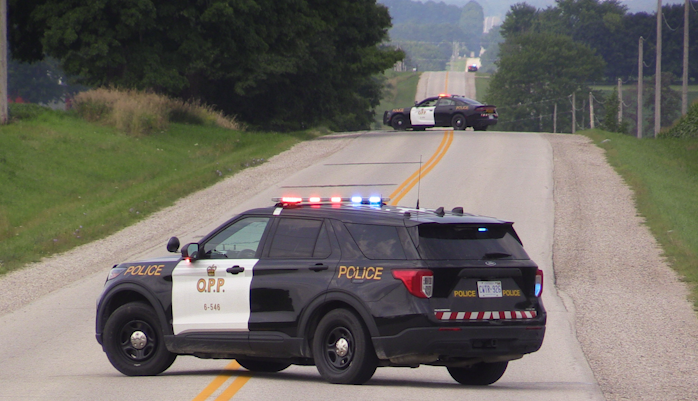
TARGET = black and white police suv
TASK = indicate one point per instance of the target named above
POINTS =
(344, 284)
(444, 110)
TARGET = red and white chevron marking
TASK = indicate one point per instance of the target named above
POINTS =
(491, 315)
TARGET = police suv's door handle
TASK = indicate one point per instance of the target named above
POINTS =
(235, 269)
(319, 267)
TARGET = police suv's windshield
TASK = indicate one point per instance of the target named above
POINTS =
(468, 241)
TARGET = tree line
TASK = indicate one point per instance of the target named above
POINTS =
(276, 65)
(548, 54)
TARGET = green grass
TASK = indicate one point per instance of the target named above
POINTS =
(482, 85)
(65, 182)
(663, 173)
(400, 89)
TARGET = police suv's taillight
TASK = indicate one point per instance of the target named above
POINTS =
(419, 282)
(539, 283)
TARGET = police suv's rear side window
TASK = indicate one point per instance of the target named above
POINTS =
(468, 241)
(377, 242)
(296, 238)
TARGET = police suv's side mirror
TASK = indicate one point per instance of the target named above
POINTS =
(190, 251)
(173, 244)
(416, 102)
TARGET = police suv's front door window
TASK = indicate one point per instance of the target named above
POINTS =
(238, 241)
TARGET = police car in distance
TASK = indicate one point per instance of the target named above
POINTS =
(347, 285)
(443, 111)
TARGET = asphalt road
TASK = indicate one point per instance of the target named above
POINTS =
(47, 346)
(432, 83)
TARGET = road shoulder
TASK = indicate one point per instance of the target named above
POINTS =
(633, 320)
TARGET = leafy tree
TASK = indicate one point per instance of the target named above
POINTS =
(521, 18)
(472, 23)
(610, 121)
(535, 71)
(264, 60)
(38, 82)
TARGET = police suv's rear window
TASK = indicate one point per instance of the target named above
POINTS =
(377, 242)
(467, 241)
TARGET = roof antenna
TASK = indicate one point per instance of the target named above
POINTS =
(419, 180)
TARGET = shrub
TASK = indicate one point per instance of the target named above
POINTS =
(23, 111)
(142, 112)
(687, 126)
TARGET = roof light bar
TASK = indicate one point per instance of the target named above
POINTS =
(292, 200)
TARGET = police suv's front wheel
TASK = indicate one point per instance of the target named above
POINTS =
(134, 343)
(343, 350)
(480, 374)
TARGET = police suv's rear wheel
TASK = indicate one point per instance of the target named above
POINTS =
(458, 122)
(256, 365)
(343, 350)
(480, 374)
(399, 122)
(134, 342)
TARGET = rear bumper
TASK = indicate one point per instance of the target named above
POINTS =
(426, 344)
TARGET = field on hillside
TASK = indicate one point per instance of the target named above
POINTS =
(65, 181)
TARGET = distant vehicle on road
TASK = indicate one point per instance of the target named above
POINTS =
(443, 111)
(472, 68)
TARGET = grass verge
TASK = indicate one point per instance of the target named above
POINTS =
(400, 89)
(65, 181)
(663, 173)
(482, 85)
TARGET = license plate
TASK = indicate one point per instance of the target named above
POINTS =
(489, 289)
(491, 117)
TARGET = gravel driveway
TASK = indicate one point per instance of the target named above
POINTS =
(638, 331)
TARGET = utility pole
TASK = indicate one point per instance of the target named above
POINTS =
(620, 101)
(640, 78)
(555, 119)
(658, 74)
(3, 62)
(574, 112)
(684, 85)
(591, 109)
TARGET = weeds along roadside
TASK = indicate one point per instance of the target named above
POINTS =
(65, 181)
(141, 113)
(663, 174)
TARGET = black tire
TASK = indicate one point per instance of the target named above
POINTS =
(458, 122)
(480, 128)
(256, 365)
(480, 374)
(399, 122)
(343, 350)
(134, 342)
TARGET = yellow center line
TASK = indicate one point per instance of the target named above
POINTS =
(222, 378)
(446, 86)
(234, 387)
(409, 183)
